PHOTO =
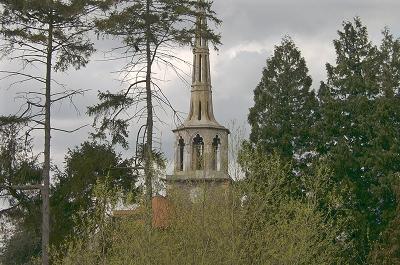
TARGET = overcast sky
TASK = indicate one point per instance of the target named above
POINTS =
(249, 31)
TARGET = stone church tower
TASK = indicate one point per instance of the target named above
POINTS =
(201, 147)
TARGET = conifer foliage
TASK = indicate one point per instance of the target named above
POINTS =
(360, 132)
(72, 197)
(353, 126)
(285, 107)
(20, 235)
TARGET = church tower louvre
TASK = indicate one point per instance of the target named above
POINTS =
(201, 143)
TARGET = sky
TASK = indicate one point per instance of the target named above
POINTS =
(250, 30)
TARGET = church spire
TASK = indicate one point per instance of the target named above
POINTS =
(201, 147)
(201, 107)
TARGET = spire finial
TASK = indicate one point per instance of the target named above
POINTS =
(201, 24)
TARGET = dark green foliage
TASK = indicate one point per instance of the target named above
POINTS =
(355, 130)
(360, 131)
(22, 247)
(25, 26)
(17, 164)
(386, 250)
(72, 196)
(24, 244)
(284, 108)
(19, 167)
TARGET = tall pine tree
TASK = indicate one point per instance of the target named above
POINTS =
(359, 133)
(49, 35)
(285, 107)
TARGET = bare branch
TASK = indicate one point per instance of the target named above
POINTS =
(69, 95)
(12, 73)
(70, 131)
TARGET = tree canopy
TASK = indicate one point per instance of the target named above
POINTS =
(351, 124)
(285, 107)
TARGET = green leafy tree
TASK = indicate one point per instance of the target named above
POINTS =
(72, 200)
(263, 227)
(90, 243)
(285, 107)
(21, 208)
(18, 166)
(72, 196)
(49, 35)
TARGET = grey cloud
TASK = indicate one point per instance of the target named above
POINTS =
(260, 19)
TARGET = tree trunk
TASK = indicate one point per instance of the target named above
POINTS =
(46, 165)
(149, 123)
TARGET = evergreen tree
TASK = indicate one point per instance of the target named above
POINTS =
(72, 195)
(383, 157)
(386, 249)
(285, 108)
(21, 213)
(71, 199)
(359, 133)
(386, 119)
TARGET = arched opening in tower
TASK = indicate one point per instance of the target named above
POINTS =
(200, 67)
(198, 152)
(199, 114)
(205, 72)
(216, 158)
(181, 154)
